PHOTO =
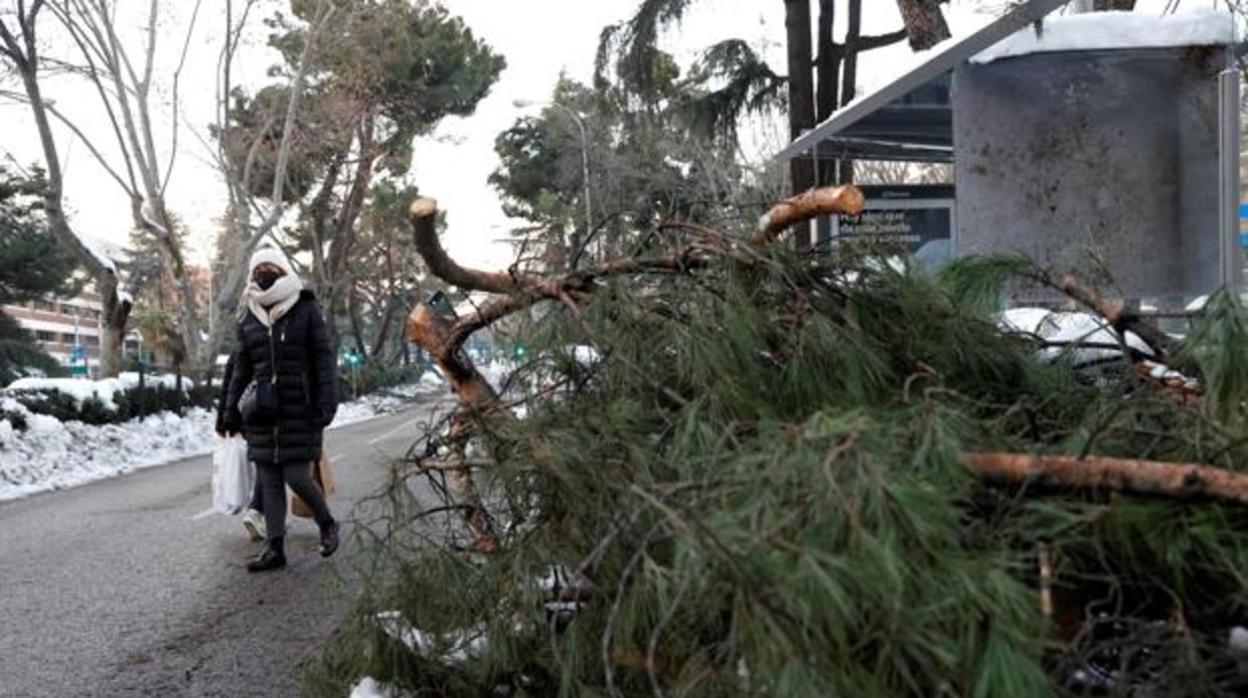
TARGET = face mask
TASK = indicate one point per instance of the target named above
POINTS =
(266, 279)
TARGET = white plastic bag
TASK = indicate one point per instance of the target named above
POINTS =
(231, 476)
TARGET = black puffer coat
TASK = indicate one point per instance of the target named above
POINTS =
(307, 380)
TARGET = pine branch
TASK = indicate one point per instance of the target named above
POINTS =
(825, 201)
(1115, 311)
(1182, 481)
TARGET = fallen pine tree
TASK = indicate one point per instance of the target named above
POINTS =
(797, 475)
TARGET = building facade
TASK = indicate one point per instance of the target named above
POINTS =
(69, 329)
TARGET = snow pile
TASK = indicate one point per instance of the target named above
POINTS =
(1066, 331)
(105, 390)
(386, 401)
(51, 455)
(455, 647)
(497, 372)
(1116, 30)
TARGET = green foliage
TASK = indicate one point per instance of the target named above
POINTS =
(398, 71)
(1219, 345)
(64, 407)
(759, 490)
(646, 166)
(15, 419)
(731, 80)
(20, 356)
(642, 68)
(32, 264)
(132, 403)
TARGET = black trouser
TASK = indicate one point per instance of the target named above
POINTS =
(273, 479)
(257, 495)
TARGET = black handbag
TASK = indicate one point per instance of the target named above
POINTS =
(258, 404)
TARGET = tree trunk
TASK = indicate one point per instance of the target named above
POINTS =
(117, 309)
(827, 77)
(112, 335)
(925, 24)
(849, 82)
(357, 328)
(335, 283)
(393, 308)
(801, 103)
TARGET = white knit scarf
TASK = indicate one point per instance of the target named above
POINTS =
(281, 296)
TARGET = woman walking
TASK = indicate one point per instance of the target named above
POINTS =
(281, 395)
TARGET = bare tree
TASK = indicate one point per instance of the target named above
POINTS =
(124, 87)
(889, 172)
(249, 219)
(19, 48)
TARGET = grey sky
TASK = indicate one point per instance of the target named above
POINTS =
(540, 39)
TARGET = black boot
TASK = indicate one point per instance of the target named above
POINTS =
(329, 538)
(271, 558)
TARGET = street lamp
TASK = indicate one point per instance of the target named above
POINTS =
(580, 124)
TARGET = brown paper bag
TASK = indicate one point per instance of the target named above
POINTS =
(323, 476)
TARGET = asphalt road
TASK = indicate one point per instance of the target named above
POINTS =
(127, 587)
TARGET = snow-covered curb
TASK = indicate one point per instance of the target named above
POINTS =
(53, 455)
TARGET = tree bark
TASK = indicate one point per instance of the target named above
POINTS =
(827, 77)
(925, 24)
(24, 56)
(335, 283)
(1183, 481)
(828, 63)
(846, 199)
(357, 326)
(801, 104)
(849, 81)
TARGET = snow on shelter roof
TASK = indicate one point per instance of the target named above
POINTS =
(1117, 30)
(864, 123)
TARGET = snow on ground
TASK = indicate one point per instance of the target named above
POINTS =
(1116, 30)
(53, 455)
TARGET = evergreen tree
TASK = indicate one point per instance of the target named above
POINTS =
(32, 265)
(788, 475)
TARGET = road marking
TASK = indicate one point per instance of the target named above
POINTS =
(392, 432)
(204, 514)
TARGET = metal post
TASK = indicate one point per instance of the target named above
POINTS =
(580, 125)
(1228, 176)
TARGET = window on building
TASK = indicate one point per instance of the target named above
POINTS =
(91, 341)
(44, 336)
(67, 309)
(67, 338)
(46, 306)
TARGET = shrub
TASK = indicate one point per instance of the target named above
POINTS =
(64, 407)
(16, 419)
(132, 403)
